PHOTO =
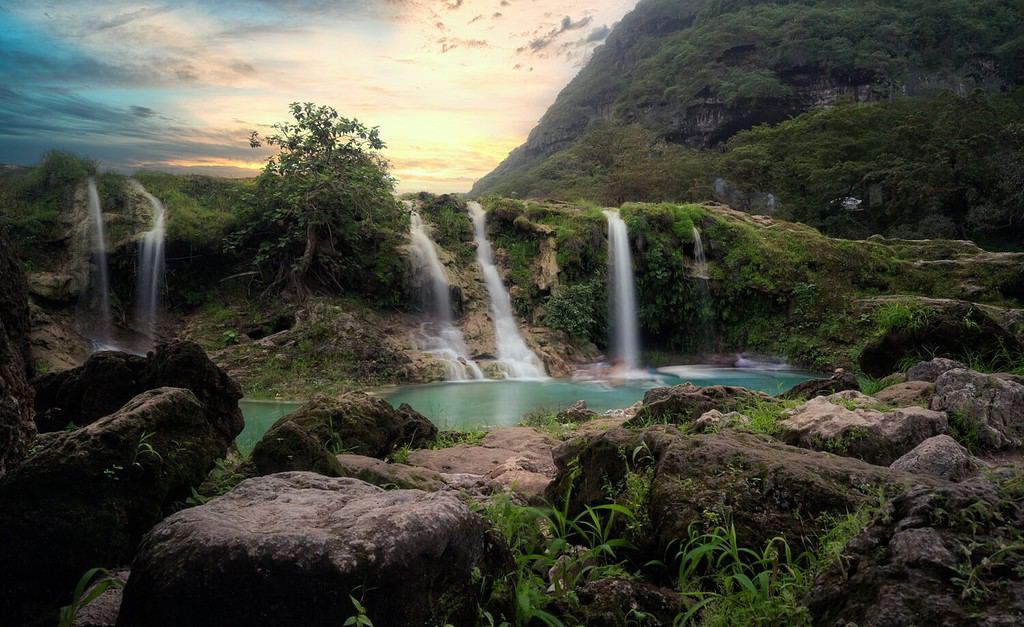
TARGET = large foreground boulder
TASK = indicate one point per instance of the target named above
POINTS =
(85, 498)
(16, 427)
(681, 404)
(294, 548)
(766, 489)
(947, 555)
(986, 410)
(855, 425)
(355, 423)
(107, 380)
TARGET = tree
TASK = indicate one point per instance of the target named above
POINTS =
(323, 215)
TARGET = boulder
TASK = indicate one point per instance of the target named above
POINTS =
(381, 473)
(764, 488)
(16, 426)
(295, 548)
(986, 411)
(576, 413)
(840, 381)
(854, 425)
(85, 498)
(107, 380)
(715, 420)
(940, 456)
(930, 370)
(684, 403)
(949, 329)
(909, 394)
(939, 555)
(311, 437)
(614, 602)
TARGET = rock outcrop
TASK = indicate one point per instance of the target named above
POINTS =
(84, 498)
(840, 381)
(685, 403)
(908, 394)
(107, 380)
(295, 548)
(988, 410)
(928, 561)
(356, 423)
(16, 427)
(940, 456)
(930, 370)
(855, 425)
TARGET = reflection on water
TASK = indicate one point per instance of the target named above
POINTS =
(467, 405)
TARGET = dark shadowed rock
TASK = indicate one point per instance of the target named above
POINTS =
(108, 380)
(684, 403)
(616, 602)
(290, 549)
(940, 556)
(852, 424)
(838, 382)
(85, 498)
(988, 410)
(576, 413)
(16, 427)
(930, 370)
(941, 457)
(311, 437)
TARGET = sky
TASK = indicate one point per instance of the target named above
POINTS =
(454, 85)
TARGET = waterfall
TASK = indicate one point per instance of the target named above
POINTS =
(625, 339)
(514, 356)
(150, 269)
(441, 339)
(700, 272)
(101, 282)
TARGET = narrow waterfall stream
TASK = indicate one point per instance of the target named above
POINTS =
(440, 337)
(700, 272)
(625, 337)
(101, 280)
(150, 269)
(514, 356)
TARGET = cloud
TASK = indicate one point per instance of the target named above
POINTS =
(599, 34)
(567, 24)
(142, 112)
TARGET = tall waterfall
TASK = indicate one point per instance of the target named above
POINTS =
(700, 272)
(514, 356)
(700, 269)
(622, 296)
(150, 270)
(101, 284)
(442, 338)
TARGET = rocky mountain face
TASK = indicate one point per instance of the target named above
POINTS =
(698, 71)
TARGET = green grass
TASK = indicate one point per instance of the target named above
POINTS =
(765, 414)
(201, 210)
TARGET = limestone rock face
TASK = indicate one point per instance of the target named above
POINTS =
(940, 456)
(16, 427)
(991, 408)
(901, 570)
(930, 370)
(855, 425)
(357, 423)
(684, 403)
(84, 498)
(290, 549)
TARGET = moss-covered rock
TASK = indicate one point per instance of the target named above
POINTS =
(681, 404)
(16, 428)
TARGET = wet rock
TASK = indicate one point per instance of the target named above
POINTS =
(930, 370)
(684, 403)
(929, 561)
(516, 458)
(987, 410)
(16, 426)
(311, 437)
(291, 548)
(909, 394)
(576, 413)
(107, 380)
(764, 488)
(940, 456)
(84, 498)
(854, 425)
(840, 381)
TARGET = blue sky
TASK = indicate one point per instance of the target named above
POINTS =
(453, 84)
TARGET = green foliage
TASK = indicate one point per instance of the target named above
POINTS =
(963, 429)
(579, 310)
(765, 414)
(201, 210)
(453, 228)
(870, 385)
(448, 439)
(83, 594)
(322, 216)
(361, 618)
(903, 317)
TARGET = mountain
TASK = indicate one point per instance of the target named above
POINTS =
(691, 74)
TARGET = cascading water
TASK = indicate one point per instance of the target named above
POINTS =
(442, 338)
(514, 356)
(625, 338)
(700, 268)
(150, 270)
(700, 272)
(101, 282)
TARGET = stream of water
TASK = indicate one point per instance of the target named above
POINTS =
(150, 269)
(625, 340)
(103, 319)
